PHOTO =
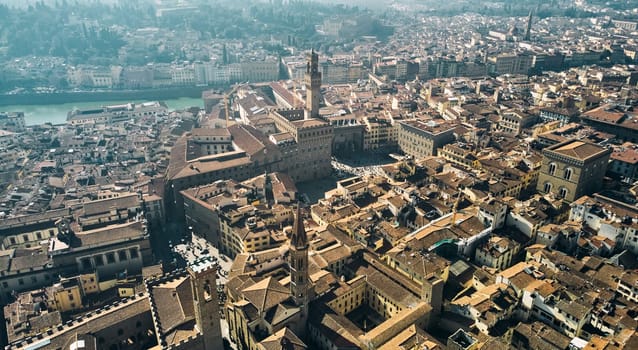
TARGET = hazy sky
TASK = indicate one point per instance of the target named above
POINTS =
(30, 2)
(369, 3)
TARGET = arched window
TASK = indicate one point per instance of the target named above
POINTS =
(568, 174)
(552, 168)
(547, 187)
(208, 291)
(562, 193)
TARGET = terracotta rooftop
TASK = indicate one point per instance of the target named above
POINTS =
(111, 233)
(266, 293)
(626, 155)
(286, 95)
(308, 123)
(283, 336)
(105, 205)
(430, 126)
(92, 322)
(176, 300)
(578, 149)
(210, 132)
(605, 114)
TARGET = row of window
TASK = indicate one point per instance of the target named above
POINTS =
(98, 260)
(220, 146)
(25, 237)
(315, 133)
(567, 174)
(21, 281)
(349, 307)
(562, 191)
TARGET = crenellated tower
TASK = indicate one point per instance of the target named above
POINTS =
(203, 281)
(312, 81)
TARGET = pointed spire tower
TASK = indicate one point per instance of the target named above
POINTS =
(299, 281)
(528, 29)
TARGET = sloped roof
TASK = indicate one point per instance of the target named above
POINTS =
(176, 301)
(281, 312)
(578, 149)
(266, 294)
(104, 205)
(131, 230)
(283, 339)
(210, 132)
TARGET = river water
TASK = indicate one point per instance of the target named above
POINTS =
(56, 113)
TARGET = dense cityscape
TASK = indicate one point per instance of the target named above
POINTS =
(411, 175)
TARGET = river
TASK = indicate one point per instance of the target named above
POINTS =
(56, 113)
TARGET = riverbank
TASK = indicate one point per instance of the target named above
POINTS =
(55, 113)
(99, 96)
